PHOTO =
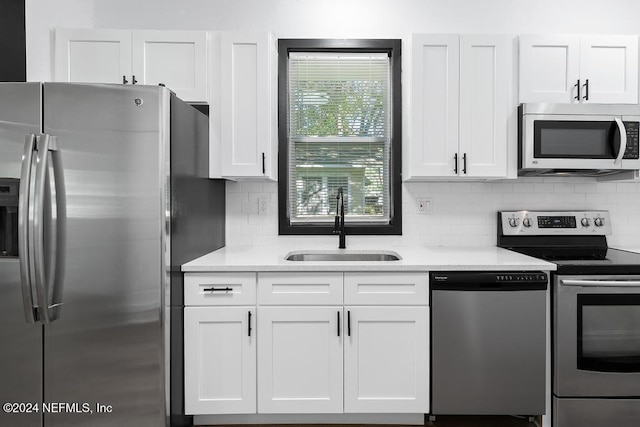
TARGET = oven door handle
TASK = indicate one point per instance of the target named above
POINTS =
(601, 283)
(623, 141)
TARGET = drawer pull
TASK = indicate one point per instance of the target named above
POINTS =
(214, 289)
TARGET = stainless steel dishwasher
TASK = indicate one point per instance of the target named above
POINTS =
(488, 343)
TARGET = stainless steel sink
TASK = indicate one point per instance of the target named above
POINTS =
(342, 256)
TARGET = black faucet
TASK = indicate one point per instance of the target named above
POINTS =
(339, 221)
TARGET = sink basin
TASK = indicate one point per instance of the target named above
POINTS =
(343, 256)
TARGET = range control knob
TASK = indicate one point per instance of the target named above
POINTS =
(526, 222)
(513, 222)
(599, 222)
(585, 222)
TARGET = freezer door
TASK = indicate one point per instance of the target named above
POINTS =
(105, 352)
(21, 342)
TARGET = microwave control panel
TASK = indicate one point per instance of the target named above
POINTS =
(633, 141)
(539, 223)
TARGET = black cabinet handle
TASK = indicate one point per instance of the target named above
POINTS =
(264, 168)
(133, 79)
(455, 163)
(349, 322)
(213, 289)
(124, 80)
(464, 163)
(577, 85)
(249, 322)
(338, 323)
(586, 92)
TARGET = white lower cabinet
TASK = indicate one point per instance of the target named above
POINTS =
(300, 360)
(220, 363)
(386, 360)
(313, 355)
(220, 343)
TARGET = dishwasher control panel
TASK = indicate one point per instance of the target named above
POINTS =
(488, 280)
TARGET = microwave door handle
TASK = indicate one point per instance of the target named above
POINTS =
(623, 141)
(24, 231)
(601, 283)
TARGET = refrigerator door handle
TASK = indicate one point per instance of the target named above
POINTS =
(49, 294)
(26, 270)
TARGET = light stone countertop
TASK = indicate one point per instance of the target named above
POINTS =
(416, 258)
(628, 249)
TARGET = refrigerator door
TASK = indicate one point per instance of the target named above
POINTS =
(21, 354)
(104, 354)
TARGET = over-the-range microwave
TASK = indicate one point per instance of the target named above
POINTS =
(578, 139)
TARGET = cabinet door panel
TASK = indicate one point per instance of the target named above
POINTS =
(549, 68)
(177, 59)
(300, 361)
(611, 65)
(484, 79)
(92, 56)
(247, 110)
(220, 360)
(434, 98)
(387, 360)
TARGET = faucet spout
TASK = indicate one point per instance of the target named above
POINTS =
(339, 220)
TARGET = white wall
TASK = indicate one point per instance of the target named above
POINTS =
(463, 213)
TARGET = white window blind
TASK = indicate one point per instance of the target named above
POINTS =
(339, 136)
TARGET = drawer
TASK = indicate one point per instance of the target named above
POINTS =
(220, 289)
(386, 288)
(300, 288)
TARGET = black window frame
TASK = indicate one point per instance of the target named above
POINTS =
(393, 48)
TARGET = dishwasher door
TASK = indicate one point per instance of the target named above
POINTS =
(488, 343)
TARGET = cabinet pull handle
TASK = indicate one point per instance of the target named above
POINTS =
(349, 322)
(133, 79)
(124, 80)
(464, 163)
(213, 289)
(577, 85)
(586, 91)
(249, 321)
(264, 168)
(338, 323)
(455, 163)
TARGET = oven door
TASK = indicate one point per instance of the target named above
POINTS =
(572, 142)
(596, 324)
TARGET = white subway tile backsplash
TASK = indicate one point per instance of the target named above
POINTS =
(463, 213)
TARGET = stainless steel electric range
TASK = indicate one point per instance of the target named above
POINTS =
(595, 296)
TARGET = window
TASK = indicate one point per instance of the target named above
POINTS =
(339, 127)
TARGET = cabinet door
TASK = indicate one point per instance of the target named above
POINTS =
(177, 59)
(610, 63)
(92, 56)
(485, 64)
(300, 360)
(549, 68)
(386, 360)
(247, 108)
(220, 360)
(434, 103)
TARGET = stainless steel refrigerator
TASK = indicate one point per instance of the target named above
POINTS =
(104, 193)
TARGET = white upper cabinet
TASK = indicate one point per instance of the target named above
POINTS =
(459, 103)
(176, 59)
(484, 76)
(572, 69)
(244, 124)
(92, 56)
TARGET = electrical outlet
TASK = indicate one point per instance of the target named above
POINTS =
(423, 205)
(262, 206)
